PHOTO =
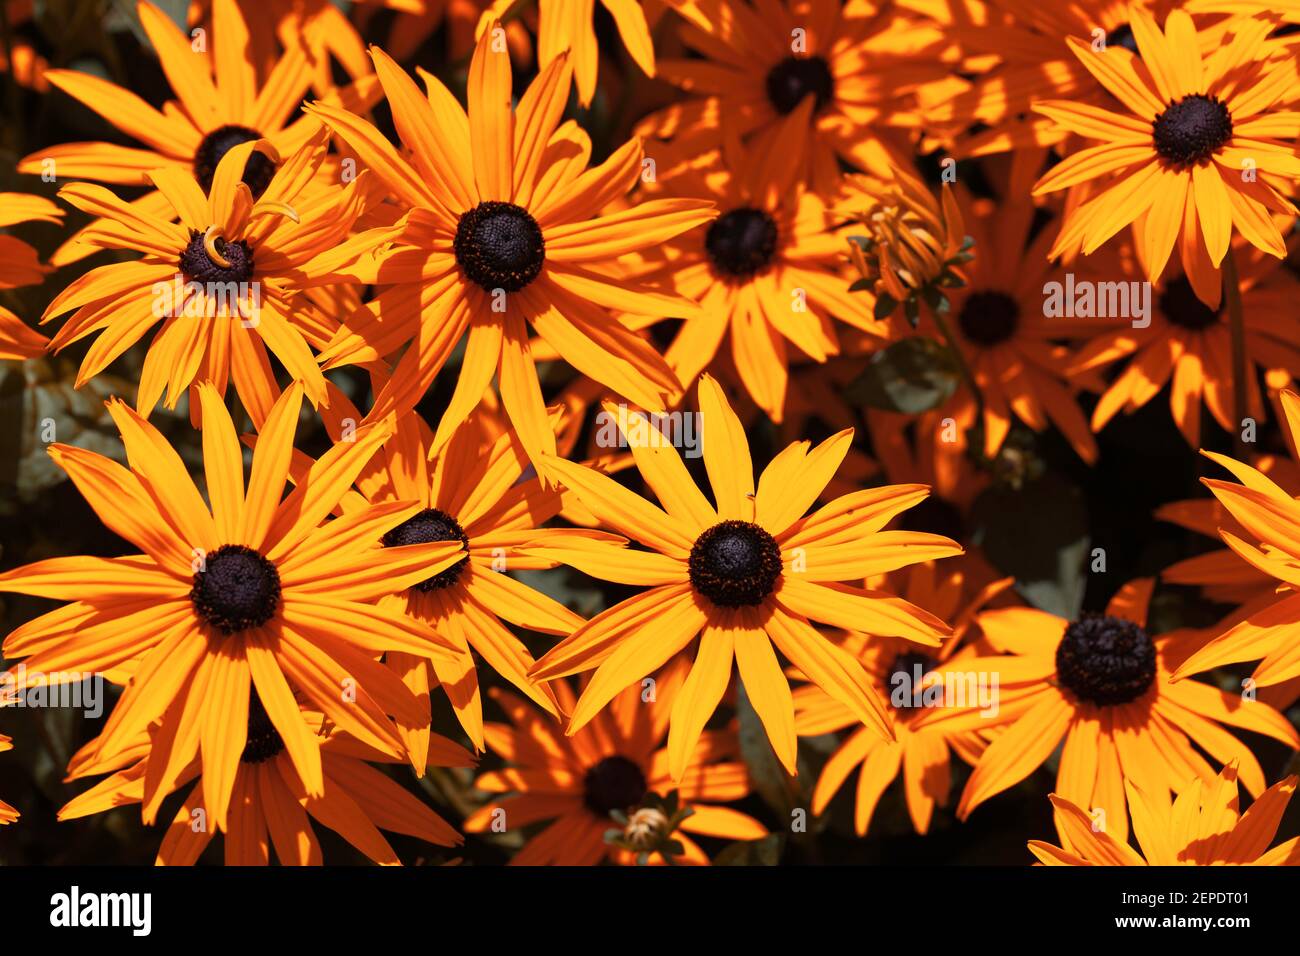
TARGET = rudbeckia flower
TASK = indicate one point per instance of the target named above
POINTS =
(575, 782)
(1188, 346)
(1203, 148)
(893, 667)
(472, 492)
(254, 594)
(218, 280)
(271, 800)
(7, 813)
(1101, 684)
(1202, 827)
(505, 229)
(564, 27)
(1270, 519)
(219, 104)
(809, 85)
(748, 571)
(768, 273)
(17, 341)
(988, 108)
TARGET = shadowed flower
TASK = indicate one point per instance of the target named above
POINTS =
(806, 86)
(1188, 346)
(611, 766)
(472, 491)
(1202, 827)
(893, 666)
(767, 273)
(254, 593)
(748, 572)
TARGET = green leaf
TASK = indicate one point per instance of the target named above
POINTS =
(885, 306)
(1038, 533)
(911, 376)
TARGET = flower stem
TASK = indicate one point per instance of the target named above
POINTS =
(954, 347)
(1237, 329)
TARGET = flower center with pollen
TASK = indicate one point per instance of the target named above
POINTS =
(735, 564)
(198, 265)
(258, 171)
(499, 245)
(989, 318)
(794, 78)
(615, 783)
(741, 242)
(1180, 305)
(1106, 660)
(1191, 130)
(424, 528)
(235, 589)
(264, 741)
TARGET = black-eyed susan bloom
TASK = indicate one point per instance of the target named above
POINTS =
(1187, 346)
(220, 103)
(271, 806)
(218, 280)
(806, 86)
(1203, 150)
(472, 492)
(250, 594)
(615, 765)
(745, 573)
(505, 230)
(768, 274)
(1270, 518)
(1101, 684)
(1203, 826)
(898, 669)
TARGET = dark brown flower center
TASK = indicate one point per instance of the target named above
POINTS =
(794, 78)
(741, 242)
(616, 783)
(428, 526)
(258, 171)
(1180, 305)
(1191, 130)
(904, 681)
(499, 245)
(735, 564)
(197, 264)
(989, 317)
(264, 741)
(235, 589)
(1106, 660)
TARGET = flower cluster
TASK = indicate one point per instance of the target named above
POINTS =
(579, 445)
